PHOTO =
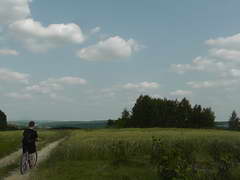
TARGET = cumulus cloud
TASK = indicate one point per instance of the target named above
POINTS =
(227, 54)
(230, 42)
(142, 85)
(19, 96)
(38, 38)
(200, 64)
(8, 52)
(111, 48)
(55, 84)
(223, 60)
(13, 10)
(9, 76)
(44, 87)
(212, 84)
(69, 80)
(181, 93)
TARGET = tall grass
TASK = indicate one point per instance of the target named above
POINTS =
(9, 142)
(145, 154)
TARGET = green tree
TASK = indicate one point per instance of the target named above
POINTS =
(143, 112)
(157, 112)
(3, 120)
(233, 121)
(124, 121)
(184, 111)
(110, 123)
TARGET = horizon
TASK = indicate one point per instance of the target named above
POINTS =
(70, 60)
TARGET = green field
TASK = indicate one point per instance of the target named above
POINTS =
(142, 154)
(9, 142)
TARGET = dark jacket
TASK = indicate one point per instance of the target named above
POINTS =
(28, 142)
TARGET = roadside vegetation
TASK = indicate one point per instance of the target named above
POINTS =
(10, 142)
(144, 154)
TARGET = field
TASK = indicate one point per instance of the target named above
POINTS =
(140, 154)
(10, 142)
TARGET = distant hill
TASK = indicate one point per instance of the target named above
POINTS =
(222, 124)
(84, 124)
(64, 124)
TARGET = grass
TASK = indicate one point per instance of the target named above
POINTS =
(10, 142)
(125, 154)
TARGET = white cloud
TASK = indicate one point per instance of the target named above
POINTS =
(109, 49)
(230, 42)
(38, 38)
(226, 54)
(95, 30)
(55, 84)
(9, 75)
(8, 52)
(235, 72)
(44, 87)
(200, 64)
(13, 10)
(181, 93)
(19, 96)
(142, 85)
(212, 84)
(70, 80)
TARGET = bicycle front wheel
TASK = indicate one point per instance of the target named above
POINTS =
(33, 159)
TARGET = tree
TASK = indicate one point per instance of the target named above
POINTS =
(184, 111)
(110, 123)
(233, 121)
(143, 112)
(3, 120)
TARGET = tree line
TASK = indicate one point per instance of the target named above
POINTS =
(234, 121)
(157, 112)
(3, 120)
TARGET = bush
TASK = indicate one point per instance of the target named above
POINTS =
(173, 160)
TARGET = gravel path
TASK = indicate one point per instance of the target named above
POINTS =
(42, 155)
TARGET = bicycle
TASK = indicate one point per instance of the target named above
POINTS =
(28, 161)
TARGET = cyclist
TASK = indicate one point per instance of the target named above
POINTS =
(30, 137)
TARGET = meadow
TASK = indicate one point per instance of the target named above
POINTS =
(9, 142)
(140, 154)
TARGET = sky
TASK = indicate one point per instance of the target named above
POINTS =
(88, 60)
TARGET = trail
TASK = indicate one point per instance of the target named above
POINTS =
(11, 158)
(42, 155)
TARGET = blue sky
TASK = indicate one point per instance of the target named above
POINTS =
(87, 60)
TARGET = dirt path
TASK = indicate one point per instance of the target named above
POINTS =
(11, 158)
(42, 155)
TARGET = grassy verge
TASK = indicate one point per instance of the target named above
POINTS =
(143, 154)
(10, 142)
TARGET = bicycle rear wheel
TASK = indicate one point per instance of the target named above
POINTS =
(24, 163)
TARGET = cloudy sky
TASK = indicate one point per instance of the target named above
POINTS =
(87, 60)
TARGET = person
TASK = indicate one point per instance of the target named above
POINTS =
(30, 137)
